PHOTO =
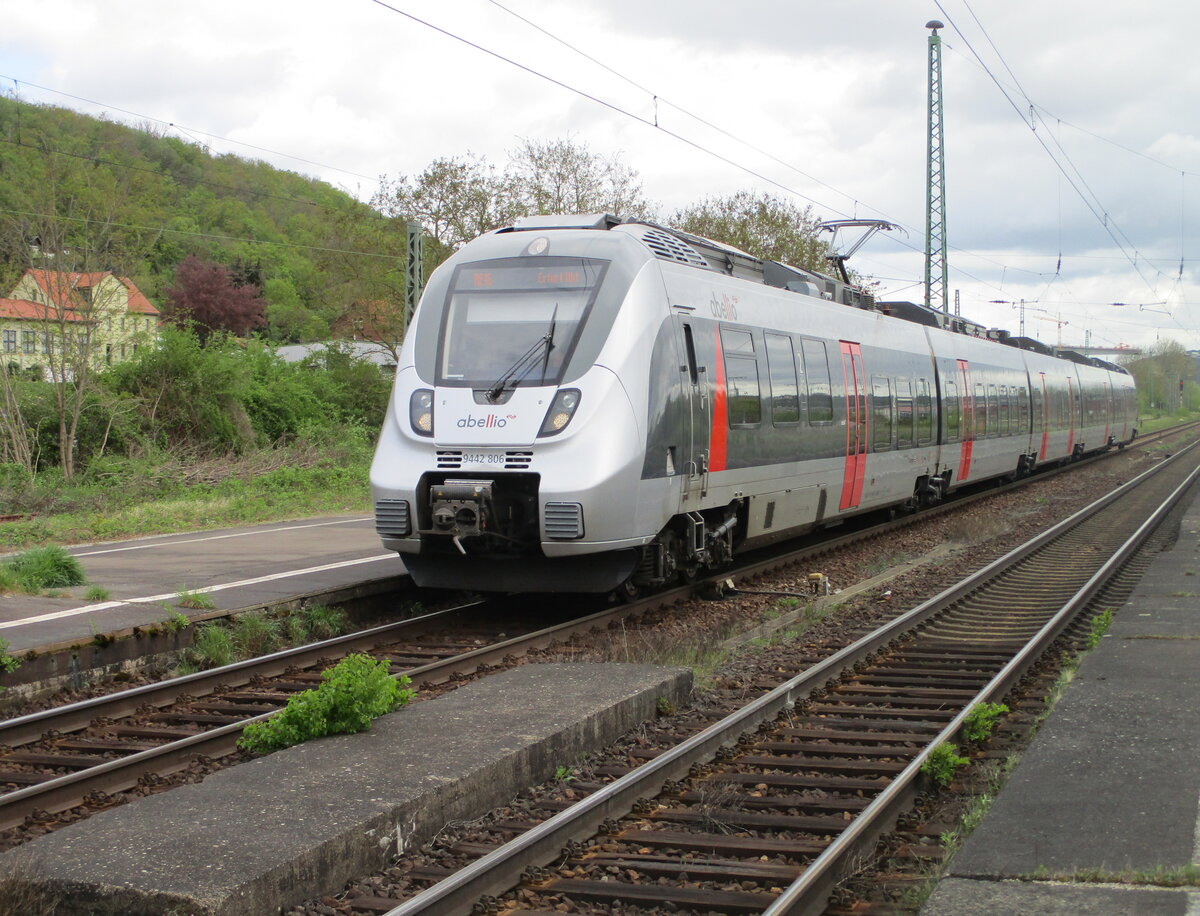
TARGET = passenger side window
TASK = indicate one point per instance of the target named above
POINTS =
(904, 413)
(953, 416)
(980, 411)
(785, 387)
(816, 371)
(924, 413)
(881, 413)
(743, 396)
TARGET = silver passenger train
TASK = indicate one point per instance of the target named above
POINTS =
(587, 404)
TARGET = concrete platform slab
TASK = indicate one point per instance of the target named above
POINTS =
(300, 822)
(964, 897)
(255, 566)
(1113, 779)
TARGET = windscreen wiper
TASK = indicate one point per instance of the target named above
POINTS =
(522, 366)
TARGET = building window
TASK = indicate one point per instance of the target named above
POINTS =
(28, 341)
(10, 341)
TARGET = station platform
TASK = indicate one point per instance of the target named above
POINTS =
(256, 566)
(267, 834)
(1106, 800)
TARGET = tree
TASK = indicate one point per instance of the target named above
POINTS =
(455, 199)
(760, 224)
(561, 176)
(204, 294)
(1161, 373)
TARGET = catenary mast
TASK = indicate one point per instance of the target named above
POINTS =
(936, 269)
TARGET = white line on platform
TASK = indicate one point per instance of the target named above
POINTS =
(218, 537)
(105, 605)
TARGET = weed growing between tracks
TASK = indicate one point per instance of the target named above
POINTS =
(352, 693)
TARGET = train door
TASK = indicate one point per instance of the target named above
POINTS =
(1044, 417)
(1106, 406)
(697, 407)
(1071, 419)
(968, 420)
(856, 424)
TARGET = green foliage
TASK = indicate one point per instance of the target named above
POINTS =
(97, 593)
(175, 622)
(942, 762)
(8, 662)
(255, 634)
(296, 631)
(195, 601)
(1162, 372)
(763, 225)
(982, 719)
(45, 568)
(351, 694)
(324, 622)
(562, 773)
(212, 647)
(1100, 624)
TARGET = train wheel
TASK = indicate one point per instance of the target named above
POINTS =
(627, 592)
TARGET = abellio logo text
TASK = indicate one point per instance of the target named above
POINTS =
(488, 421)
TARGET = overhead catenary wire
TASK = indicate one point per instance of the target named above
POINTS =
(1093, 203)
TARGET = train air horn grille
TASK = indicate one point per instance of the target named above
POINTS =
(564, 521)
(391, 518)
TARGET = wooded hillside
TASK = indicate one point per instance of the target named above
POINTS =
(140, 201)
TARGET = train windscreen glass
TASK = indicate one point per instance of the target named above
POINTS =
(515, 322)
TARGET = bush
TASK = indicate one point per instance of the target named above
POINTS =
(942, 762)
(45, 567)
(982, 719)
(352, 693)
(8, 662)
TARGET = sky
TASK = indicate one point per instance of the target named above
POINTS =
(1072, 128)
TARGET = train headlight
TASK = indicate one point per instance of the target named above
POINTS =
(420, 412)
(562, 408)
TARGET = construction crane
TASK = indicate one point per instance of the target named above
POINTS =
(1058, 321)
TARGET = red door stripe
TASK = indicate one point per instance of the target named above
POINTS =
(717, 440)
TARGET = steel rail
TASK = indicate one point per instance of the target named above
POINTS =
(501, 870)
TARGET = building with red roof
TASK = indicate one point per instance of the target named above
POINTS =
(99, 311)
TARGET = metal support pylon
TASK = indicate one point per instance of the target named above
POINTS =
(936, 270)
(414, 274)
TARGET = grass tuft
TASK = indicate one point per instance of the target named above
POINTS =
(255, 634)
(45, 568)
(212, 647)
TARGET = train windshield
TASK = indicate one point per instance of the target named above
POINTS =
(515, 321)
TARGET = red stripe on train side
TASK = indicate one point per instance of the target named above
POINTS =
(720, 419)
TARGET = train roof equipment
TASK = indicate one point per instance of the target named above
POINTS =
(682, 247)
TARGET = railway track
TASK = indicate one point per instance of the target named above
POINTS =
(61, 758)
(763, 811)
